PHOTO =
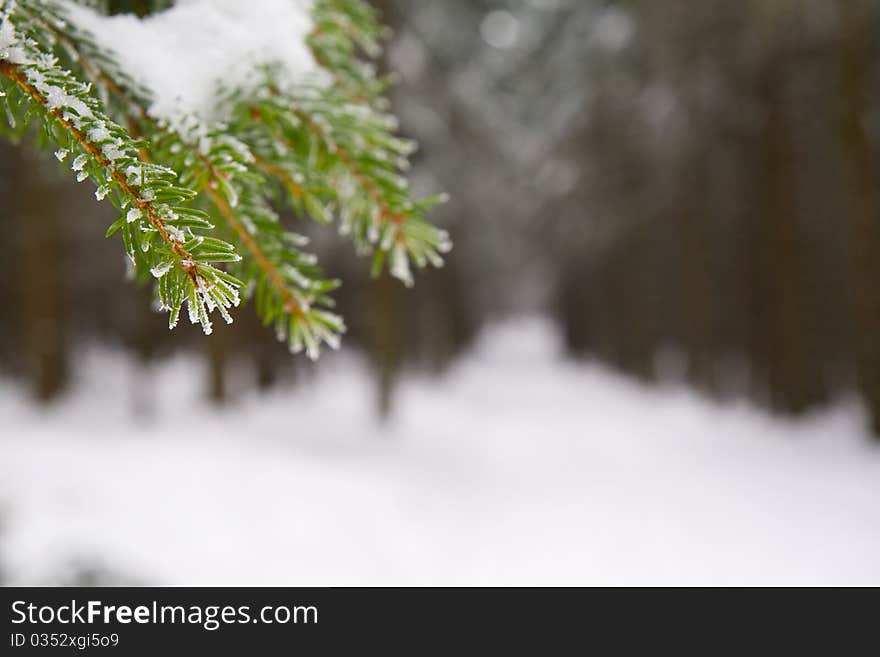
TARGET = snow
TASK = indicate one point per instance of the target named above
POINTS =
(516, 467)
(7, 34)
(182, 54)
(10, 46)
(161, 269)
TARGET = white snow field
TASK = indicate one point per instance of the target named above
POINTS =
(514, 468)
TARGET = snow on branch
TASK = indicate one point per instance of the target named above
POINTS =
(184, 54)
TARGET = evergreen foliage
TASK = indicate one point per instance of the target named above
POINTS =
(198, 198)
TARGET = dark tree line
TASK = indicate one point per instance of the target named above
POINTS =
(747, 229)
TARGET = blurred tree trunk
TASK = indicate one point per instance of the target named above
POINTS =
(782, 319)
(42, 298)
(695, 272)
(627, 334)
(857, 30)
(385, 340)
(217, 346)
(437, 315)
(574, 296)
(258, 343)
(265, 355)
(143, 333)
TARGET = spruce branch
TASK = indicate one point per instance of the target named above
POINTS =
(344, 30)
(289, 289)
(112, 84)
(157, 235)
(352, 163)
(273, 170)
(288, 285)
(347, 36)
(14, 73)
(331, 149)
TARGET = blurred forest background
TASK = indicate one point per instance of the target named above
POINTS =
(690, 187)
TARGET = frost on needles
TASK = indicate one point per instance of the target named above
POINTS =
(195, 150)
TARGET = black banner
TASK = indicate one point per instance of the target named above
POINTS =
(133, 621)
(245, 621)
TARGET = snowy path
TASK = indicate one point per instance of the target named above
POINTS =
(514, 469)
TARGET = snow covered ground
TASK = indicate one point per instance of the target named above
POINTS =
(515, 468)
